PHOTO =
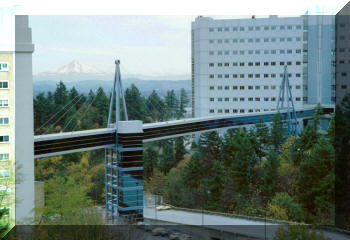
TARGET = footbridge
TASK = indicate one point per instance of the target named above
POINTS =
(123, 143)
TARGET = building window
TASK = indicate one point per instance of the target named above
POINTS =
(241, 99)
(211, 64)
(273, 99)
(219, 52)
(241, 29)
(343, 74)
(273, 27)
(266, 99)
(235, 64)
(281, 39)
(266, 87)
(257, 87)
(211, 53)
(282, 63)
(241, 87)
(241, 52)
(273, 87)
(219, 87)
(257, 51)
(211, 87)
(234, 29)
(257, 40)
(211, 29)
(241, 75)
(4, 84)
(211, 76)
(289, 51)
(266, 40)
(298, 75)
(227, 99)
(273, 63)
(282, 27)
(273, 51)
(297, 87)
(289, 63)
(250, 75)
(297, 63)
(289, 39)
(211, 111)
(219, 75)
(4, 102)
(211, 41)
(4, 67)
(226, 29)
(257, 28)
(234, 99)
(219, 64)
(234, 87)
(4, 120)
(257, 110)
(298, 39)
(241, 64)
(298, 27)
(250, 87)
(250, 110)
(4, 173)
(241, 110)
(250, 64)
(4, 139)
(4, 156)
(250, 99)
(212, 99)
(235, 52)
(219, 110)
(297, 99)
(226, 64)
(250, 40)
(227, 88)
(266, 28)
(234, 40)
(257, 63)
(227, 52)
(241, 40)
(227, 41)
(266, 75)
(273, 39)
(234, 110)
(257, 75)
(344, 86)
(220, 99)
(234, 75)
(266, 63)
(227, 110)
(273, 75)
(219, 29)
(227, 75)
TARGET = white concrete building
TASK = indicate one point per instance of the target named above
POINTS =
(237, 64)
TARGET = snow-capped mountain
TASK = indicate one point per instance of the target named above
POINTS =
(74, 67)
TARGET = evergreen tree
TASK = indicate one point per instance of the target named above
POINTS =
(172, 105)
(101, 104)
(316, 179)
(180, 150)
(150, 159)
(277, 131)
(271, 174)
(155, 107)
(135, 104)
(184, 100)
(167, 158)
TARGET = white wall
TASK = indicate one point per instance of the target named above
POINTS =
(24, 122)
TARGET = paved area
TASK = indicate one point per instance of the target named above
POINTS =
(243, 226)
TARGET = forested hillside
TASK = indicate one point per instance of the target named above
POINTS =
(254, 171)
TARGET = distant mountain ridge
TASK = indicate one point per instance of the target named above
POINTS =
(76, 71)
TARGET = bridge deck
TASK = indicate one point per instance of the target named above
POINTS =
(62, 143)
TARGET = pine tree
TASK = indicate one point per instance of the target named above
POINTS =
(184, 100)
(180, 150)
(172, 105)
(167, 159)
(277, 131)
(155, 107)
(135, 104)
(271, 174)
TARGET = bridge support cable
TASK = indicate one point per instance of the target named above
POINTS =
(58, 112)
(285, 97)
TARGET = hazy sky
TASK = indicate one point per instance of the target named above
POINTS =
(146, 45)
